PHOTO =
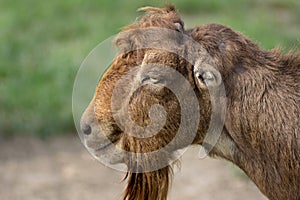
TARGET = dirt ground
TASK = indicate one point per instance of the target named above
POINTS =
(61, 169)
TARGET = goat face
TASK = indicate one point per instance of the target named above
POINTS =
(148, 104)
(152, 101)
(146, 110)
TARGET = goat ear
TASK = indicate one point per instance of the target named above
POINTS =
(206, 76)
(128, 40)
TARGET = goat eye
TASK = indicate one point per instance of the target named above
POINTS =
(154, 80)
(208, 76)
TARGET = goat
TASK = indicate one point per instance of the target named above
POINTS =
(261, 131)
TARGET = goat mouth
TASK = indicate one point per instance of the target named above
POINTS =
(104, 147)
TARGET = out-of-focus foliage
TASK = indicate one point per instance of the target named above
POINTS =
(42, 44)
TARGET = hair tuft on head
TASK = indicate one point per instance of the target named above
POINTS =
(168, 8)
(150, 9)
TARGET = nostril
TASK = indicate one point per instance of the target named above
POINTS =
(86, 129)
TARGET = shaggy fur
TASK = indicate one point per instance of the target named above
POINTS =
(263, 108)
(261, 134)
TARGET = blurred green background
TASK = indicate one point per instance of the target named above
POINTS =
(42, 44)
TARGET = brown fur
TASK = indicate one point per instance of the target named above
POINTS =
(263, 108)
(261, 133)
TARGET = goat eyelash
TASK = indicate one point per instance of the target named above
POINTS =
(154, 80)
(151, 80)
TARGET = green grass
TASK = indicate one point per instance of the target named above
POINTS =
(42, 44)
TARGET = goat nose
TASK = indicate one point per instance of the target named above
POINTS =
(86, 129)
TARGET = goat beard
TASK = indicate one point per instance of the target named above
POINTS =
(144, 183)
(148, 185)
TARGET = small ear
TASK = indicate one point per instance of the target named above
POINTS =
(206, 76)
(128, 40)
(179, 27)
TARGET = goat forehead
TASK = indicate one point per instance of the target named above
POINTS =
(151, 58)
(160, 56)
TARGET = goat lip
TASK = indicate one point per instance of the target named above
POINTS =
(104, 147)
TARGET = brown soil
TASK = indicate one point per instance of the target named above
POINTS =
(61, 168)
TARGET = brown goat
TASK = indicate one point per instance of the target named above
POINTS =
(261, 133)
